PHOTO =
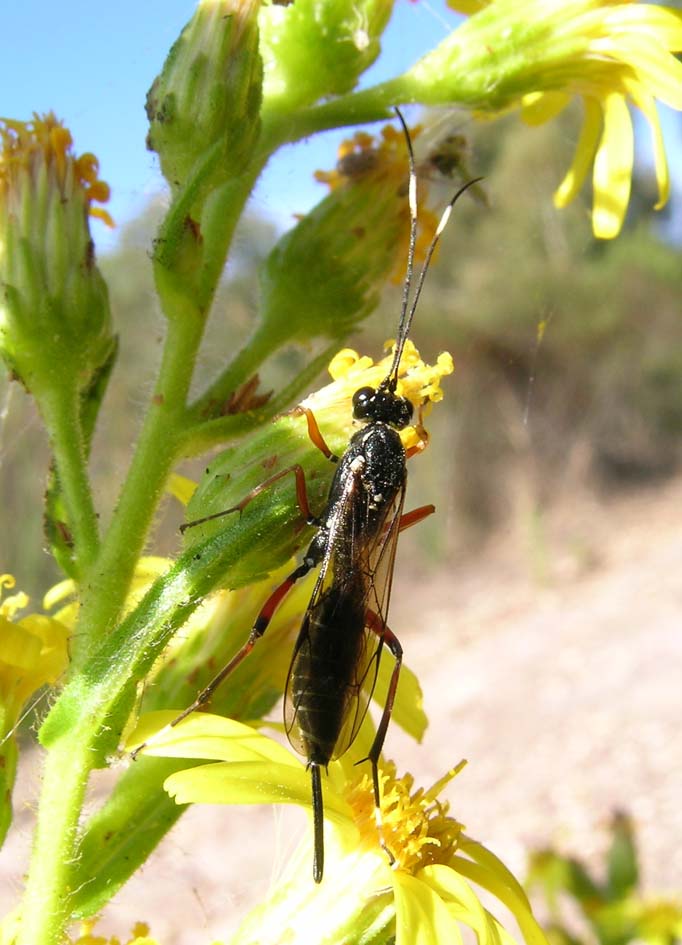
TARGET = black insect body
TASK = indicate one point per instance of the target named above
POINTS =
(344, 630)
(336, 657)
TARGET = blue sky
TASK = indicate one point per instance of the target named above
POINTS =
(92, 63)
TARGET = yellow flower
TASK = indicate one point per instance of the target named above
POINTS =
(425, 896)
(138, 936)
(418, 381)
(33, 652)
(10, 927)
(609, 54)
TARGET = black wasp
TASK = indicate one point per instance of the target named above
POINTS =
(335, 662)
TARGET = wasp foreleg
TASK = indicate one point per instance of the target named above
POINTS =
(314, 432)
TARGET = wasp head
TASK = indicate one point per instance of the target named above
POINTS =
(382, 404)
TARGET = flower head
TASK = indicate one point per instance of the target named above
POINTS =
(369, 162)
(54, 313)
(346, 247)
(418, 381)
(425, 896)
(206, 101)
(539, 56)
(317, 49)
(232, 474)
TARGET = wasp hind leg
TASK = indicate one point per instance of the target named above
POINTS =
(373, 622)
(318, 823)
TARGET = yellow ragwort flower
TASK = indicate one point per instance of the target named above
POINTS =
(33, 652)
(609, 54)
(427, 892)
(418, 381)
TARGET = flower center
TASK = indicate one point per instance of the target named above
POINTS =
(416, 827)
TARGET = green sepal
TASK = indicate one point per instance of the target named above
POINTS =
(317, 48)
(8, 771)
(274, 515)
(622, 865)
(342, 252)
(232, 552)
(206, 101)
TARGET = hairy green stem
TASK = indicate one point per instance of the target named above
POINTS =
(61, 412)
(46, 908)
(71, 754)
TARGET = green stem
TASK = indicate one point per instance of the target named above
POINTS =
(46, 909)
(71, 754)
(240, 369)
(61, 412)
(156, 452)
(203, 436)
(373, 104)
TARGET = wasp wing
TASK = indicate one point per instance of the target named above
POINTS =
(376, 604)
(336, 658)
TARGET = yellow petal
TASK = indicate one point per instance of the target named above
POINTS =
(253, 782)
(660, 23)
(655, 68)
(206, 736)
(613, 169)
(495, 884)
(467, 6)
(487, 859)
(181, 487)
(647, 106)
(408, 709)
(584, 154)
(422, 918)
(539, 107)
(453, 889)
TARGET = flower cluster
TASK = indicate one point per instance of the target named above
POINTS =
(608, 54)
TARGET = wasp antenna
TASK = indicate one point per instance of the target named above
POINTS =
(429, 253)
(403, 330)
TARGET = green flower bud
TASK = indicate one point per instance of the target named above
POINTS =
(54, 312)
(344, 249)
(315, 48)
(208, 94)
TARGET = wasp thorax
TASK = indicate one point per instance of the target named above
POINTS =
(382, 405)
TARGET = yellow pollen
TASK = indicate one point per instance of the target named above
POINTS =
(415, 824)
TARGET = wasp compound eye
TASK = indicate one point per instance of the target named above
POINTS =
(362, 402)
(403, 413)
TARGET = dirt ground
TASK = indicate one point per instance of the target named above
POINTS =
(564, 695)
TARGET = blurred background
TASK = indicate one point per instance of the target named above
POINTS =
(540, 605)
